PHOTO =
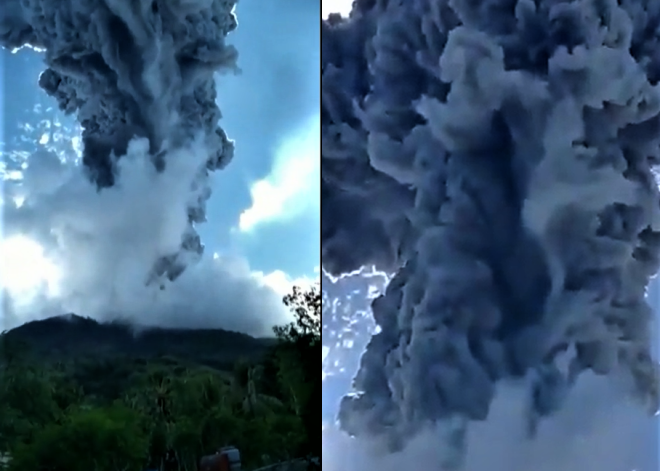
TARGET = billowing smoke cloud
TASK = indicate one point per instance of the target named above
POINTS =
(595, 430)
(140, 78)
(103, 243)
(499, 157)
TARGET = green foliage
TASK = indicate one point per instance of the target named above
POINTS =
(297, 354)
(102, 439)
(113, 411)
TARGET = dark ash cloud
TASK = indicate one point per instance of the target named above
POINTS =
(499, 158)
(140, 78)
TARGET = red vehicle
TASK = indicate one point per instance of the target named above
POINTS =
(225, 459)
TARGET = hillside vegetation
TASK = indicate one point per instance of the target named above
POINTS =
(77, 395)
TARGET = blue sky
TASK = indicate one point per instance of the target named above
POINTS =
(262, 232)
(272, 112)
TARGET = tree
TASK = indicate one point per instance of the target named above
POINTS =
(298, 352)
(247, 382)
(28, 403)
(305, 304)
(107, 411)
(100, 439)
(12, 351)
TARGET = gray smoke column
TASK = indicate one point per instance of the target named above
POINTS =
(498, 155)
(136, 70)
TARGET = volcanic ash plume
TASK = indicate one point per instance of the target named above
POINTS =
(139, 76)
(497, 155)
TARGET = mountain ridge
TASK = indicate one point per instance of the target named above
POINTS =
(70, 336)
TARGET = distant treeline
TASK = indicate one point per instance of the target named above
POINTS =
(160, 400)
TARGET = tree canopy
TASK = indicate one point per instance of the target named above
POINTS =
(114, 411)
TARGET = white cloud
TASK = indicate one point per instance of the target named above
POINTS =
(282, 283)
(219, 292)
(335, 6)
(597, 430)
(104, 244)
(24, 268)
(293, 186)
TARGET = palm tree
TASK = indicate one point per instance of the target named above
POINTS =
(246, 383)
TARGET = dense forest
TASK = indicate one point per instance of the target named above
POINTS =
(77, 395)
